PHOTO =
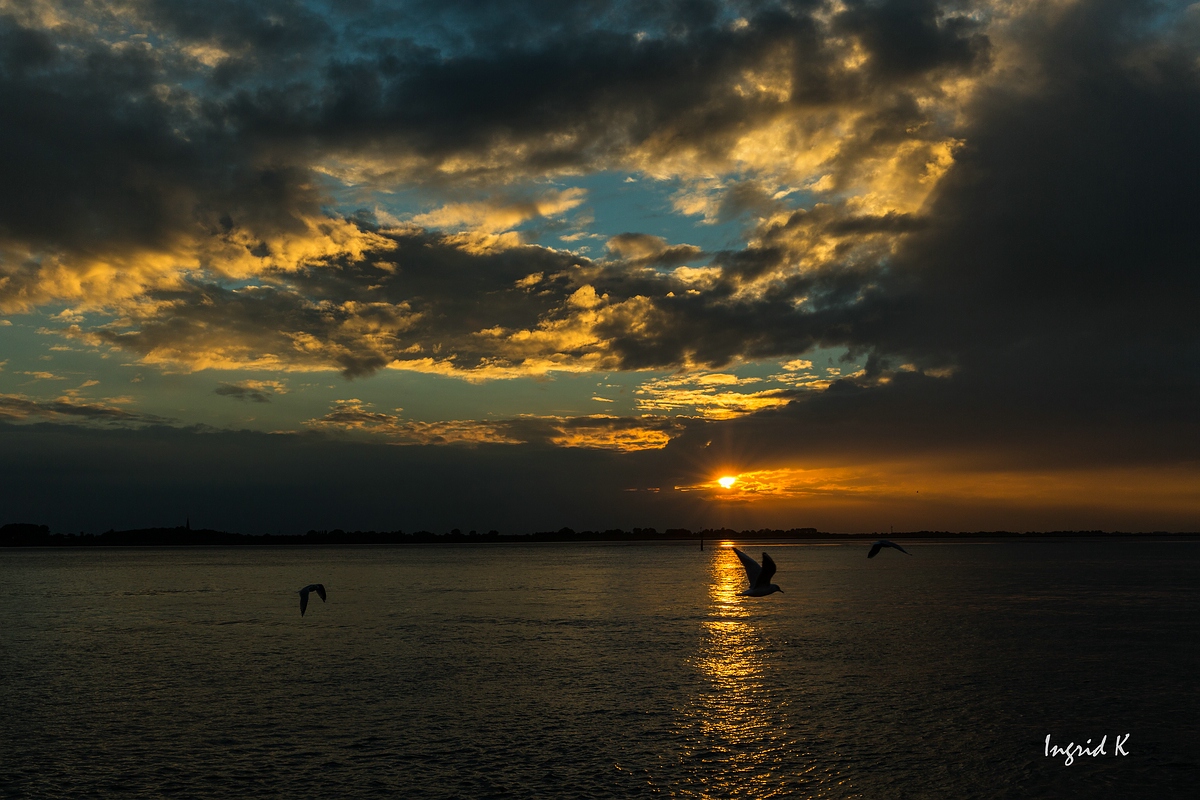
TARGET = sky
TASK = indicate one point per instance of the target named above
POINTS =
(275, 266)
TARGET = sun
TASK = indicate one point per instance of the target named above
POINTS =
(726, 481)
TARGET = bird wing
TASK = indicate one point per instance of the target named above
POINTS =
(320, 587)
(752, 568)
(303, 600)
(898, 547)
(875, 548)
(768, 572)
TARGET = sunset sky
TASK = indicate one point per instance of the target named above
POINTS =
(514, 265)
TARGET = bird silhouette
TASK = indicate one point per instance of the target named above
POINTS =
(312, 587)
(882, 543)
(759, 576)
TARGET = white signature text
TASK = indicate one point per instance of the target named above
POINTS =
(1073, 750)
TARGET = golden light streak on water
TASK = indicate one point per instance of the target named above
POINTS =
(734, 721)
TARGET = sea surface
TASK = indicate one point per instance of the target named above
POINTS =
(601, 671)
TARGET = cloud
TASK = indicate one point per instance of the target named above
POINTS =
(198, 167)
(710, 395)
(499, 214)
(900, 488)
(1051, 273)
(623, 434)
(594, 432)
(256, 391)
(641, 249)
(259, 327)
(129, 180)
(255, 482)
(987, 206)
(21, 408)
(900, 39)
(205, 150)
(356, 416)
(424, 296)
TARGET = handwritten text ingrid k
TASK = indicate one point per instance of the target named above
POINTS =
(1072, 750)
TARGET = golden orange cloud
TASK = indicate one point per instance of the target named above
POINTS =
(711, 395)
(592, 432)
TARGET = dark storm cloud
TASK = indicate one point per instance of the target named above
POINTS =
(919, 418)
(1051, 281)
(193, 149)
(89, 149)
(552, 85)
(907, 37)
(264, 28)
(1058, 257)
(1057, 251)
(586, 97)
(111, 164)
(98, 149)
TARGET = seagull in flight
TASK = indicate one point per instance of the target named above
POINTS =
(759, 577)
(882, 543)
(319, 588)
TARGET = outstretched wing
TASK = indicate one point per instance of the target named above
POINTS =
(875, 548)
(320, 587)
(753, 570)
(303, 601)
(768, 572)
(898, 547)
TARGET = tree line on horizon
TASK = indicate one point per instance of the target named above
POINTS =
(32, 535)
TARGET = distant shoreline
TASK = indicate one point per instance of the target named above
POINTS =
(26, 535)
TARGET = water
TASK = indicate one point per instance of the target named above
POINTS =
(578, 671)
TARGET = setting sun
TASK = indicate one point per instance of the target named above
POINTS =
(727, 481)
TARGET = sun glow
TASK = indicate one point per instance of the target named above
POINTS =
(727, 481)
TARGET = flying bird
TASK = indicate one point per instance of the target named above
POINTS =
(759, 577)
(312, 587)
(882, 543)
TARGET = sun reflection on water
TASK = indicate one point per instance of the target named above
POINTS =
(731, 659)
(735, 726)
